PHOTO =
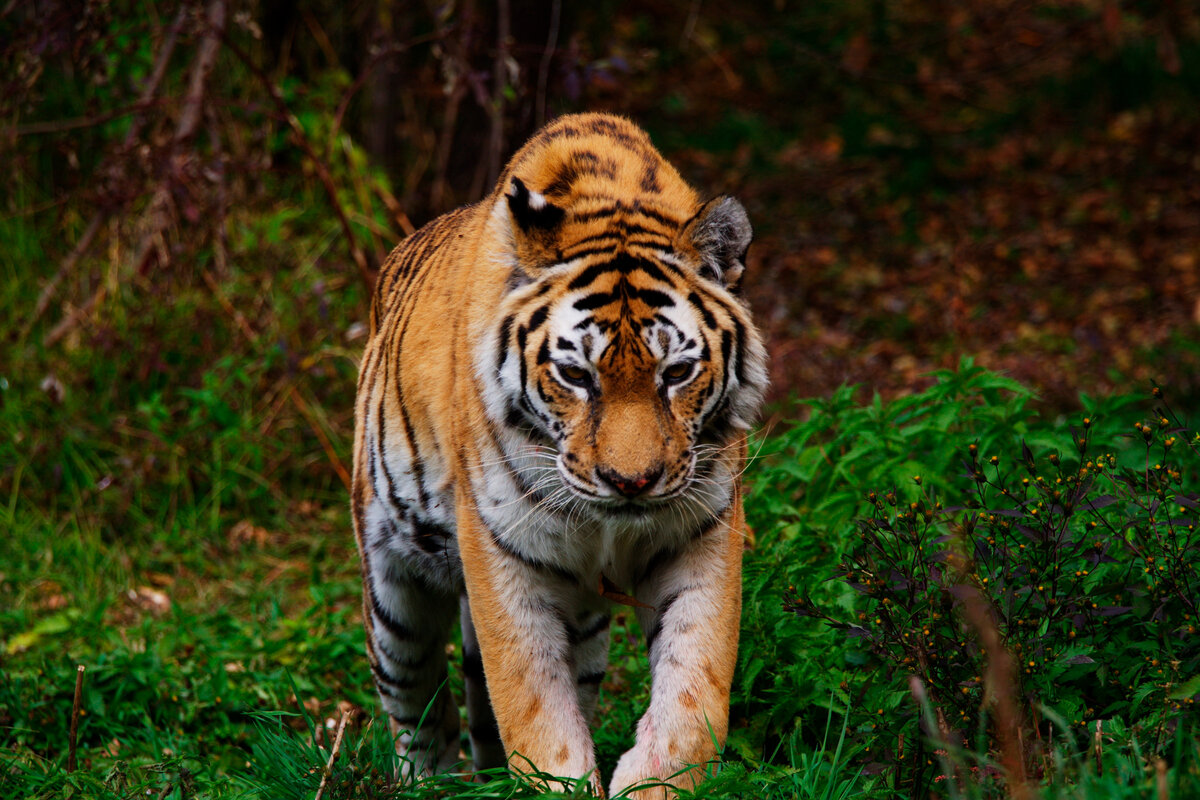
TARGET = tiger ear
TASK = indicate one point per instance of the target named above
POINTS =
(535, 223)
(533, 213)
(720, 233)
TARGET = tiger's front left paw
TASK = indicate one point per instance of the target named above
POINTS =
(641, 766)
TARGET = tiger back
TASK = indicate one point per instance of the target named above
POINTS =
(551, 413)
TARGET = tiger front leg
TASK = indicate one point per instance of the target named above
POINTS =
(517, 613)
(691, 634)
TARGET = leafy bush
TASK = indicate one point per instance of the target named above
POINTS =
(808, 483)
(1082, 548)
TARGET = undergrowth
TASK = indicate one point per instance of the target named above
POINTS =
(228, 676)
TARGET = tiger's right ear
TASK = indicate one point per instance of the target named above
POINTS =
(535, 225)
(532, 212)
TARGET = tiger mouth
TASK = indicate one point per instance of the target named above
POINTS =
(631, 507)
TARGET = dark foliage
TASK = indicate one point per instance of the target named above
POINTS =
(1087, 561)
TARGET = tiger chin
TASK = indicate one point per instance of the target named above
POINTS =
(551, 414)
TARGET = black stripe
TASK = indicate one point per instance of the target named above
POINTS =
(416, 462)
(384, 689)
(654, 298)
(739, 368)
(522, 333)
(541, 390)
(431, 537)
(593, 301)
(709, 320)
(652, 269)
(603, 211)
(659, 559)
(511, 551)
(663, 607)
(726, 348)
(589, 275)
(594, 250)
(384, 677)
(421, 654)
(381, 428)
(502, 348)
(576, 636)
(592, 239)
(622, 264)
(591, 678)
(598, 626)
(407, 723)
(538, 317)
(395, 627)
(657, 216)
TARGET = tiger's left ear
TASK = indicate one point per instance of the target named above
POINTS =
(720, 233)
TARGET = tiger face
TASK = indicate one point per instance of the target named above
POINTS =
(633, 368)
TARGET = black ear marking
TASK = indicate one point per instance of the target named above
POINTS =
(531, 210)
(721, 233)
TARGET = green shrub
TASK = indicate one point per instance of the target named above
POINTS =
(1083, 548)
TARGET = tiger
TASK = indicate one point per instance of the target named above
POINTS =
(551, 417)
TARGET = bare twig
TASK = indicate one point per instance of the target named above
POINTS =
(1000, 688)
(1099, 763)
(333, 754)
(238, 317)
(442, 159)
(75, 718)
(544, 66)
(65, 268)
(158, 210)
(499, 84)
(1160, 775)
(206, 58)
(936, 729)
(307, 412)
(75, 123)
(689, 25)
(156, 76)
(393, 207)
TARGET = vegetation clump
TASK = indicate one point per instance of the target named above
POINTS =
(1038, 591)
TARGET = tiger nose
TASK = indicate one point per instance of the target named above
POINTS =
(628, 485)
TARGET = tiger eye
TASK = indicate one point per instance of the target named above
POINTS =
(576, 375)
(677, 373)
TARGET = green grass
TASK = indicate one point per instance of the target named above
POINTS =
(204, 574)
(174, 522)
(171, 515)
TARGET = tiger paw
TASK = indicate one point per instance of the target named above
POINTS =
(640, 767)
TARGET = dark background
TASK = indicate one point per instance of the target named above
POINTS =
(1017, 180)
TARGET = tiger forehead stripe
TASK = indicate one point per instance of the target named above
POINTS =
(621, 265)
(624, 291)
